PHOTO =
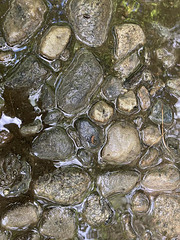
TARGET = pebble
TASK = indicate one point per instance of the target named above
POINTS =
(54, 41)
(127, 66)
(91, 136)
(64, 186)
(90, 20)
(156, 113)
(121, 182)
(53, 144)
(151, 135)
(21, 216)
(113, 88)
(168, 58)
(162, 178)
(144, 98)
(96, 211)
(5, 56)
(166, 215)
(123, 144)
(101, 112)
(31, 129)
(150, 158)
(128, 37)
(53, 117)
(58, 223)
(5, 137)
(23, 19)
(127, 102)
(79, 83)
(47, 98)
(173, 86)
(140, 203)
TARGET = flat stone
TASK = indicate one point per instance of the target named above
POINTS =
(53, 144)
(64, 186)
(116, 182)
(140, 203)
(58, 223)
(96, 211)
(162, 178)
(151, 135)
(128, 37)
(156, 113)
(91, 136)
(54, 41)
(113, 88)
(168, 58)
(90, 20)
(144, 98)
(23, 19)
(101, 112)
(166, 215)
(150, 158)
(79, 83)
(21, 217)
(127, 102)
(122, 146)
(128, 66)
(174, 86)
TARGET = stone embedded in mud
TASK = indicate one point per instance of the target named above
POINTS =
(174, 86)
(54, 41)
(113, 88)
(15, 176)
(96, 211)
(59, 223)
(128, 37)
(143, 95)
(29, 76)
(123, 144)
(21, 216)
(5, 137)
(166, 215)
(85, 157)
(53, 144)
(64, 186)
(140, 203)
(101, 112)
(168, 58)
(91, 136)
(47, 98)
(151, 135)
(127, 102)
(150, 158)
(128, 66)
(162, 178)
(121, 182)
(31, 129)
(23, 19)
(90, 20)
(156, 114)
(79, 83)
(53, 117)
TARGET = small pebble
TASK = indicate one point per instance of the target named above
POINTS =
(143, 95)
(151, 135)
(127, 102)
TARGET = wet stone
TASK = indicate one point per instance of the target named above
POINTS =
(123, 144)
(23, 19)
(5, 137)
(143, 95)
(85, 157)
(96, 211)
(15, 176)
(162, 178)
(158, 86)
(30, 236)
(151, 135)
(53, 117)
(174, 86)
(47, 98)
(91, 136)
(128, 66)
(121, 182)
(58, 223)
(90, 20)
(6, 56)
(165, 216)
(54, 41)
(168, 58)
(127, 102)
(113, 88)
(53, 144)
(21, 216)
(79, 82)
(156, 113)
(101, 112)
(29, 76)
(31, 129)
(140, 203)
(65, 55)
(150, 158)
(128, 37)
(64, 186)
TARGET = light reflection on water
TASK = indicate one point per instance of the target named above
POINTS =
(4, 120)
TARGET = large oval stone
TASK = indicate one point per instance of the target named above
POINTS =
(90, 20)
(79, 82)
